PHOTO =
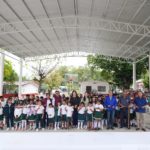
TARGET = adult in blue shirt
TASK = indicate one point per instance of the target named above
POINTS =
(110, 104)
(140, 103)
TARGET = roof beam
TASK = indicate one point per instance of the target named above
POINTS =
(70, 54)
(93, 40)
(103, 44)
(140, 51)
(96, 23)
(131, 19)
(11, 26)
(84, 48)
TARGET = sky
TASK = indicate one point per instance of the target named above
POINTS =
(28, 71)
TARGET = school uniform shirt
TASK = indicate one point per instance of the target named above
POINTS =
(93, 104)
(90, 109)
(3, 103)
(31, 110)
(132, 107)
(1, 110)
(50, 112)
(39, 109)
(69, 111)
(49, 101)
(98, 107)
(63, 109)
(82, 110)
(18, 112)
(25, 110)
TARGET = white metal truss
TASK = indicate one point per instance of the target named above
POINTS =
(74, 54)
(91, 50)
(71, 22)
(57, 56)
(131, 36)
(17, 49)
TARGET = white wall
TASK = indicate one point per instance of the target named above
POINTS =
(94, 85)
(29, 89)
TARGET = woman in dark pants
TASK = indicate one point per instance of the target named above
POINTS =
(75, 101)
(9, 114)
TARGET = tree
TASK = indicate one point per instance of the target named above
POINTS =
(53, 80)
(10, 76)
(84, 73)
(42, 68)
(120, 72)
(145, 78)
(9, 73)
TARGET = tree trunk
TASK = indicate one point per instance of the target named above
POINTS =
(40, 84)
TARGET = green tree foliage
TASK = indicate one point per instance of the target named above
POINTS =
(10, 76)
(84, 73)
(119, 72)
(53, 80)
(145, 78)
(9, 73)
(57, 77)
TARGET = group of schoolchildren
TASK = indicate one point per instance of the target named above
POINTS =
(88, 112)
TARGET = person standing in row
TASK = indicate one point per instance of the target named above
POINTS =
(46, 101)
(75, 101)
(110, 104)
(124, 102)
(51, 113)
(57, 98)
(39, 108)
(9, 114)
(140, 103)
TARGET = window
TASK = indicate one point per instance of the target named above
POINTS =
(88, 89)
(101, 88)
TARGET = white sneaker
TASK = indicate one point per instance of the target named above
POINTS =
(55, 129)
(12, 128)
(43, 129)
(37, 130)
(7, 129)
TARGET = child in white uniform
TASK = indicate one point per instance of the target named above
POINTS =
(69, 115)
(39, 108)
(57, 116)
(98, 115)
(24, 117)
(17, 116)
(81, 115)
(51, 113)
(90, 110)
(31, 115)
(132, 114)
(63, 110)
